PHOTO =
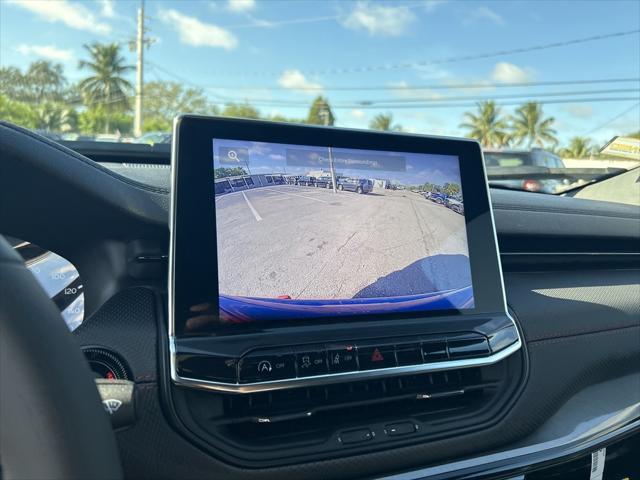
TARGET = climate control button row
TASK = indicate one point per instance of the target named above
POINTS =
(309, 361)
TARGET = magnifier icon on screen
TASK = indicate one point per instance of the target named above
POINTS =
(232, 155)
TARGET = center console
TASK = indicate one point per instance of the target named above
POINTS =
(332, 291)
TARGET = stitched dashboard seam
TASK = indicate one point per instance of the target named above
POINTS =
(568, 211)
(90, 163)
(555, 339)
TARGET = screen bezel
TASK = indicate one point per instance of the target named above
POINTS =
(193, 273)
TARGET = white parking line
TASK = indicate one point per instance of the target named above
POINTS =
(253, 210)
(302, 196)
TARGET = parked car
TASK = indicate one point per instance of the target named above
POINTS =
(358, 185)
(455, 204)
(151, 138)
(521, 162)
(437, 197)
(291, 179)
(324, 182)
(307, 181)
(427, 195)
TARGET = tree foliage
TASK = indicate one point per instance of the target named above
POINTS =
(20, 113)
(56, 117)
(451, 189)
(223, 172)
(579, 147)
(98, 119)
(487, 125)
(384, 122)
(320, 112)
(42, 81)
(430, 187)
(41, 97)
(106, 85)
(165, 100)
(532, 128)
(240, 110)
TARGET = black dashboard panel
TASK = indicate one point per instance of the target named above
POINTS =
(576, 305)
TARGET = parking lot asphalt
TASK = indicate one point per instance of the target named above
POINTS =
(312, 243)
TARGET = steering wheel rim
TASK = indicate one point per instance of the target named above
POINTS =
(52, 424)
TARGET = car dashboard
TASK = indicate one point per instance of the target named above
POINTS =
(571, 270)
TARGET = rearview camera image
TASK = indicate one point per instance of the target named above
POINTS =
(309, 232)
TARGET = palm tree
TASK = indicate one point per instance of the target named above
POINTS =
(55, 117)
(384, 122)
(487, 126)
(579, 147)
(530, 125)
(106, 87)
(46, 80)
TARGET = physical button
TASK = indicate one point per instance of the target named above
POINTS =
(263, 368)
(356, 436)
(400, 428)
(311, 363)
(342, 358)
(376, 357)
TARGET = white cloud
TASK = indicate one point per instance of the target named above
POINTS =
(357, 114)
(196, 33)
(45, 51)
(505, 72)
(295, 80)
(431, 5)
(483, 14)
(108, 9)
(379, 19)
(241, 5)
(578, 110)
(74, 15)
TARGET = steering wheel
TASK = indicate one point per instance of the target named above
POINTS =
(52, 424)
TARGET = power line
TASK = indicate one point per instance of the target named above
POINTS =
(500, 97)
(612, 119)
(499, 104)
(435, 86)
(390, 103)
(446, 60)
(455, 105)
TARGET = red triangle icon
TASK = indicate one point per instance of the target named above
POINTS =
(376, 356)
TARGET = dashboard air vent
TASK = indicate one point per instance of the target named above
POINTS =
(342, 418)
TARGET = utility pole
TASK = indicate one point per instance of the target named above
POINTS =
(137, 122)
(325, 113)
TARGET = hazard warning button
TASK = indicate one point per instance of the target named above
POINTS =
(382, 356)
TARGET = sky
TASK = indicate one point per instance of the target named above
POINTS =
(367, 57)
(399, 168)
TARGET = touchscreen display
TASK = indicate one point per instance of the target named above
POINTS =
(308, 232)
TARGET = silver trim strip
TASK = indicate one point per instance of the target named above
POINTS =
(320, 379)
(336, 377)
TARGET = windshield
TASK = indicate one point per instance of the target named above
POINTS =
(545, 87)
